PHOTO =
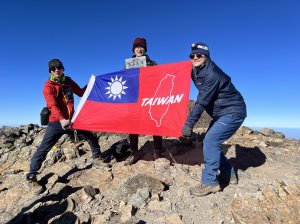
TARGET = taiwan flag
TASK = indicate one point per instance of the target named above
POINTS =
(148, 100)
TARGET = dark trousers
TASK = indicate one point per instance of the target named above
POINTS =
(134, 141)
(53, 132)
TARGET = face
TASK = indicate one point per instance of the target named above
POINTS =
(139, 51)
(197, 59)
(57, 71)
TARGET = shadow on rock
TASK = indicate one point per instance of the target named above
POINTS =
(44, 180)
(45, 208)
(247, 157)
(65, 178)
(67, 218)
(175, 152)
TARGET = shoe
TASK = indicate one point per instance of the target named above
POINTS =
(34, 184)
(203, 190)
(31, 177)
(133, 158)
(186, 140)
(156, 154)
(100, 163)
(226, 180)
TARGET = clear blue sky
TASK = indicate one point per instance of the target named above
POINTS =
(255, 42)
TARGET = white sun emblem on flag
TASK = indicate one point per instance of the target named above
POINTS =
(116, 88)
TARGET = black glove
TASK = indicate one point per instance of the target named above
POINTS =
(186, 131)
(186, 135)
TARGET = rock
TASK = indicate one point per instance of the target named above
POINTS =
(164, 206)
(140, 181)
(174, 219)
(264, 144)
(90, 190)
(26, 128)
(106, 216)
(127, 213)
(83, 217)
(242, 212)
(97, 178)
(149, 191)
(53, 156)
(65, 218)
(245, 130)
(270, 208)
(70, 152)
(162, 165)
(156, 197)
(140, 198)
(267, 131)
(278, 135)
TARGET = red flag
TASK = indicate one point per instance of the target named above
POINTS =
(149, 100)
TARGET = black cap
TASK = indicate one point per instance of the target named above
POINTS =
(55, 63)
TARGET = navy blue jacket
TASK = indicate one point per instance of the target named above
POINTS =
(217, 95)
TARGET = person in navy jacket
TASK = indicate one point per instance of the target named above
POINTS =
(224, 103)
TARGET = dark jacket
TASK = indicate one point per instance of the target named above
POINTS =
(59, 98)
(217, 94)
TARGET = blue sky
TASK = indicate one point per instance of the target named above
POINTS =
(255, 42)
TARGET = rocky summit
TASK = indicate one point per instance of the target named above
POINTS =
(149, 191)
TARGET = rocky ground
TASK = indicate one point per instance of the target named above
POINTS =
(150, 191)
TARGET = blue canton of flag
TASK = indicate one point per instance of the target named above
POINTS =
(117, 87)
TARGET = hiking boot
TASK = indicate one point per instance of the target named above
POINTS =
(226, 180)
(133, 158)
(156, 154)
(100, 163)
(203, 190)
(31, 177)
(34, 185)
(186, 140)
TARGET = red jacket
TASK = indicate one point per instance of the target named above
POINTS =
(59, 98)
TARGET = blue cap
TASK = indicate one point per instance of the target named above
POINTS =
(200, 48)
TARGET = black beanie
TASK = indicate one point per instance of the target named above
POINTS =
(139, 42)
(55, 63)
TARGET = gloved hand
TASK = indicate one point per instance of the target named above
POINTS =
(65, 124)
(186, 135)
(186, 131)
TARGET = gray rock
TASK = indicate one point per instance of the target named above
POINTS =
(132, 184)
(153, 191)
(162, 165)
(90, 190)
(137, 201)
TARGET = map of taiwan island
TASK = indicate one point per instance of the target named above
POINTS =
(162, 99)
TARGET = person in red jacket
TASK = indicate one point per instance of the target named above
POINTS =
(58, 93)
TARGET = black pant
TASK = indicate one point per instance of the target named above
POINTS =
(53, 132)
(134, 141)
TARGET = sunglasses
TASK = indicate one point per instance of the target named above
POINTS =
(192, 56)
(53, 69)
